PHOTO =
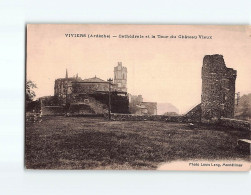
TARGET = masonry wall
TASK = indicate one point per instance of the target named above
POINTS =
(234, 123)
(226, 122)
(134, 117)
(194, 115)
(99, 102)
(86, 105)
(119, 104)
(89, 88)
(218, 89)
(52, 111)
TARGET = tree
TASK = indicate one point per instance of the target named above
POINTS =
(30, 94)
(246, 111)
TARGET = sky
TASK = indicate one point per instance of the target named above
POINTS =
(164, 70)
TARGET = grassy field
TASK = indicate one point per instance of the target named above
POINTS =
(94, 143)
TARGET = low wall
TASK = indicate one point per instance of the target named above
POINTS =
(234, 123)
(134, 117)
(52, 110)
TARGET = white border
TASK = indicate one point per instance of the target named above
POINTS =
(15, 14)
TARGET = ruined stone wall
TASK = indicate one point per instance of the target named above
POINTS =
(52, 111)
(134, 117)
(234, 123)
(194, 115)
(100, 101)
(218, 89)
(86, 105)
(89, 88)
(229, 93)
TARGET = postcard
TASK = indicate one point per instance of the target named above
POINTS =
(138, 97)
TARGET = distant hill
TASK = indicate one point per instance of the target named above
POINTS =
(243, 109)
(166, 107)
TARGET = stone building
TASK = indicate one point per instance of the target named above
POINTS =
(91, 96)
(137, 106)
(146, 108)
(90, 86)
(137, 99)
(218, 89)
(63, 86)
(120, 77)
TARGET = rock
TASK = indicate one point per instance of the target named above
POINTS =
(244, 145)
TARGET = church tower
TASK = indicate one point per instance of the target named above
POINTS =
(120, 77)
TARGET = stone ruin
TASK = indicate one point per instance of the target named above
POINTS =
(217, 99)
(218, 89)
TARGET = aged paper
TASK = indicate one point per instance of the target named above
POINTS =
(138, 97)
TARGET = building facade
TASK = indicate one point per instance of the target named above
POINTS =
(139, 107)
(146, 108)
(63, 86)
(91, 96)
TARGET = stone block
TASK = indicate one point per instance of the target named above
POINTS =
(244, 145)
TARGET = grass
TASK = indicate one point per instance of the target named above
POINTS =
(94, 143)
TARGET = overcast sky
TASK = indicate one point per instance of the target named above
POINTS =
(161, 69)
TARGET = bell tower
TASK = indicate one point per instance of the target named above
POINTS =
(120, 77)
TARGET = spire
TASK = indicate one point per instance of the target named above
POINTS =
(66, 74)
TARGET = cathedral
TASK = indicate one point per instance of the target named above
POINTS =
(66, 86)
(95, 96)
(91, 96)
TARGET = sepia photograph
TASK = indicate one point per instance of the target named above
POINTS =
(138, 97)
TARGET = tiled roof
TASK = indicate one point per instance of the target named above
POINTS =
(94, 79)
(69, 79)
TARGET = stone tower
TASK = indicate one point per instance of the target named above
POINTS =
(218, 89)
(120, 77)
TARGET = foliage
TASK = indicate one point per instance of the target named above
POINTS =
(246, 111)
(30, 94)
(33, 106)
(52, 101)
(243, 109)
